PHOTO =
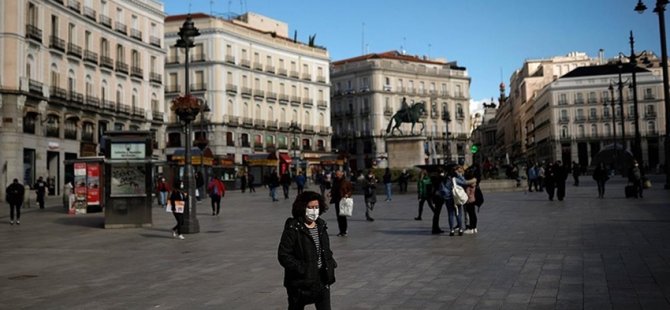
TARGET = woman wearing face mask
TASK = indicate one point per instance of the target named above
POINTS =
(304, 252)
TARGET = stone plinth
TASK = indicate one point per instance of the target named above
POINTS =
(405, 152)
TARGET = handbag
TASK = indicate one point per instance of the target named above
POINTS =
(460, 196)
(178, 207)
(346, 207)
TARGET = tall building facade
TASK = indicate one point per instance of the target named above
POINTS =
(367, 91)
(268, 94)
(515, 115)
(71, 71)
(574, 117)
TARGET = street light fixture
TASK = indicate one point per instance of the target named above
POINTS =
(611, 88)
(660, 11)
(294, 128)
(187, 33)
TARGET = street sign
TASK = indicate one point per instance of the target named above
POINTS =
(474, 149)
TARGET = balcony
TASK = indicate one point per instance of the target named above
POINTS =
(120, 107)
(90, 13)
(74, 50)
(270, 69)
(121, 27)
(580, 119)
(294, 74)
(246, 91)
(562, 102)
(157, 115)
(155, 41)
(121, 67)
(579, 101)
(57, 43)
(231, 120)
(283, 99)
(247, 121)
(650, 114)
(258, 66)
(172, 60)
(308, 102)
(198, 57)
(138, 111)
(322, 104)
(156, 77)
(172, 88)
(230, 59)
(260, 94)
(76, 97)
(74, 5)
(106, 62)
(109, 105)
(58, 93)
(230, 88)
(92, 101)
(271, 96)
(259, 123)
(321, 79)
(136, 72)
(105, 20)
(32, 32)
(281, 71)
(306, 76)
(593, 118)
(70, 133)
(35, 87)
(295, 100)
(272, 125)
(91, 56)
(563, 120)
(245, 63)
(136, 34)
(198, 87)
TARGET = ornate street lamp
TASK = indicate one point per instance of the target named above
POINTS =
(660, 11)
(187, 108)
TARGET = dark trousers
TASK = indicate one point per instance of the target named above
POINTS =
(576, 178)
(560, 190)
(180, 222)
(638, 188)
(341, 220)
(296, 300)
(550, 190)
(285, 188)
(216, 204)
(437, 209)
(40, 200)
(252, 188)
(601, 189)
(12, 207)
(472, 215)
(301, 188)
(430, 205)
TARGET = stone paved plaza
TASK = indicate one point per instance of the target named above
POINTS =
(530, 253)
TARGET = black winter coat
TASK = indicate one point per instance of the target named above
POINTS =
(14, 194)
(297, 254)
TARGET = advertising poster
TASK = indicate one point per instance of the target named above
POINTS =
(93, 182)
(79, 188)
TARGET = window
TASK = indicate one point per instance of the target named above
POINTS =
(579, 98)
(32, 14)
(564, 132)
(245, 140)
(120, 53)
(564, 115)
(651, 127)
(594, 130)
(649, 110)
(592, 97)
(135, 59)
(562, 99)
(608, 129)
(54, 26)
(71, 33)
(592, 113)
(230, 139)
(104, 47)
(87, 40)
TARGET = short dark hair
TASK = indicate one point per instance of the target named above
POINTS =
(300, 203)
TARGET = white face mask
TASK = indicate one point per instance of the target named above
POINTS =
(312, 214)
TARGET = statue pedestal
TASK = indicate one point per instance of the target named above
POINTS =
(405, 152)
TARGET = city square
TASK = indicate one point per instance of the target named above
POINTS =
(530, 253)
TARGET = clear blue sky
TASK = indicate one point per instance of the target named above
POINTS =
(486, 36)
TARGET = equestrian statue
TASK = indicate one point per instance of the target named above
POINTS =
(407, 114)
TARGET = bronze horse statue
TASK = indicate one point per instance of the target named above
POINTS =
(408, 115)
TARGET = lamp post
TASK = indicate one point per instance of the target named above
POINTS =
(202, 141)
(445, 148)
(611, 88)
(623, 119)
(660, 11)
(186, 33)
(294, 128)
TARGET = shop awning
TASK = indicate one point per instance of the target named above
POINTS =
(285, 158)
(196, 156)
(269, 160)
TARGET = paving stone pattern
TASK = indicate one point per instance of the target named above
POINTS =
(530, 253)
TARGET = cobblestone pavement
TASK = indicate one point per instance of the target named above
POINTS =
(530, 253)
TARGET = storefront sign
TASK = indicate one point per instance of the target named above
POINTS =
(128, 151)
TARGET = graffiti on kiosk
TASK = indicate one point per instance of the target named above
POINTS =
(128, 180)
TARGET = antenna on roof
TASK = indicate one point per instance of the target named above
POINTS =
(402, 47)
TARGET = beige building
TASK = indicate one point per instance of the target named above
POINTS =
(367, 90)
(257, 82)
(69, 72)
(515, 115)
(573, 120)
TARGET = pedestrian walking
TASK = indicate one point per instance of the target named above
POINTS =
(243, 182)
(304, 252)
(40, 188)
(250, 182)
(560, 176)
(532, 177)
(550, 180)
(387, 184)
(403, 179)
(341, 188)
(424, 188)
(163, 190)
(177, 203)
(216, 190)
(285, 181)
(273, 183)
(438, 201)
(300, 181)
(540, 176)
(635, 177)
(576, 171)
(14, 196)
(370, 194)
(601, 175)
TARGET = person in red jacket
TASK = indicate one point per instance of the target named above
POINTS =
(216, 190)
